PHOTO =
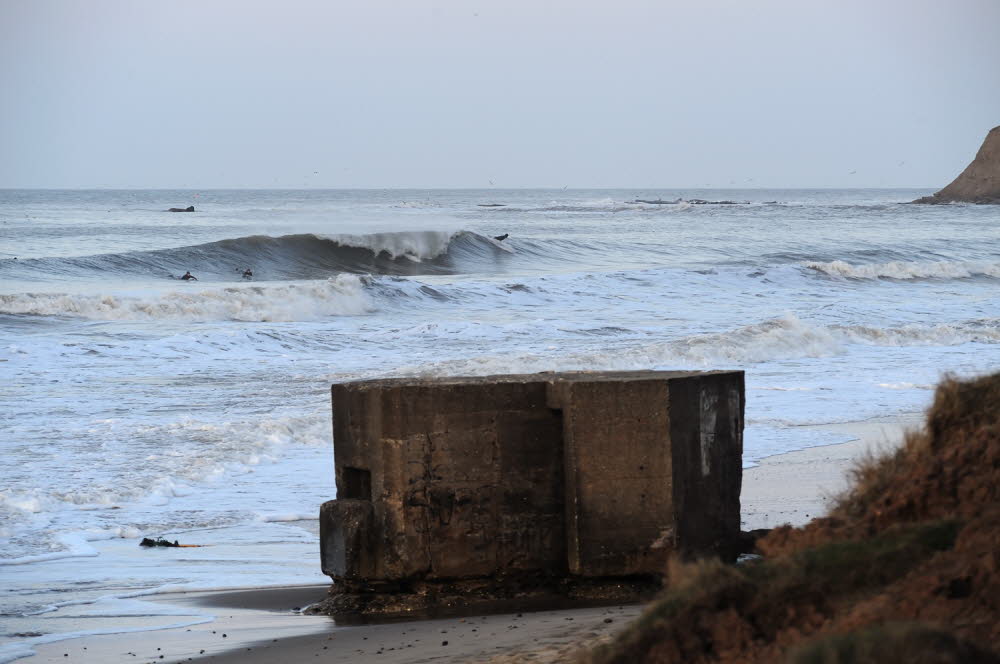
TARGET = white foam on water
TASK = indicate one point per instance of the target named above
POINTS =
(286, 516)
(775, 340)
(909, 270)
(415, 245)
(164, 491)
(75, 545)
(342, 295)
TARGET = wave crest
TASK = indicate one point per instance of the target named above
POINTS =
(414, 245)
(286, 257)
(908, 270)
(773, 340)
(343, 295)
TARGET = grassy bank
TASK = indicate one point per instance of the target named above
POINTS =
(904, 568)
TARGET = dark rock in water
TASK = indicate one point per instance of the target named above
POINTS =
(189, 208)
(692, 201)
(158, 542)
(702, 201)
(979, 182)
(658, 201)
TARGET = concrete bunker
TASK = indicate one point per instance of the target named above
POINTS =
(575, 484)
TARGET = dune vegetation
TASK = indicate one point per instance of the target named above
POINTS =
(904, 568)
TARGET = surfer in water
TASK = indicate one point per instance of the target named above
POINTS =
(189, 277)
(501, 238)
(248, 274)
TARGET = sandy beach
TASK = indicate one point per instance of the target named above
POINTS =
(262, 625)
(798, 486)
(265, 625)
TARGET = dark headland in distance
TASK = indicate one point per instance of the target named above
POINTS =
(979, 182)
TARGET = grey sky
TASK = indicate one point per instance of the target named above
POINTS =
(412, 93)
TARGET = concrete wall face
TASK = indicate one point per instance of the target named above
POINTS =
(707, 443)
(554, 474)
(618, 477)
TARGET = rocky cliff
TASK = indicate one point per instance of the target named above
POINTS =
(979, 182)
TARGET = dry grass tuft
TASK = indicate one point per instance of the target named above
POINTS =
(892, 643)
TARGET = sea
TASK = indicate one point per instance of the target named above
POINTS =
(135, 404)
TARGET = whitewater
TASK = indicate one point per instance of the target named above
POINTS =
(133, 404)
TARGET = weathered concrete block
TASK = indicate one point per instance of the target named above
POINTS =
(548, 476)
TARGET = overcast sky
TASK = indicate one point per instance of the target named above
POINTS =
(459, 93)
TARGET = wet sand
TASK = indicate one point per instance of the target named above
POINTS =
(264, 625)
(260, 625)
(241, 618)
(799, 486)
(470, 639)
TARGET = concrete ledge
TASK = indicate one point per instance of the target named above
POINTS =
(345, 539)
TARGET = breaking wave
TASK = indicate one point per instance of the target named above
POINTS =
(337, 296)
(908, 270)
(773, 340)
(301, 256)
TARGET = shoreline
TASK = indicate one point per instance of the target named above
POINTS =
(264, 625)
(797, 486)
